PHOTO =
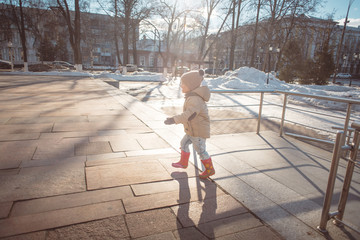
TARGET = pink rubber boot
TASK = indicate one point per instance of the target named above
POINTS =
(209, 169)
(184, 160)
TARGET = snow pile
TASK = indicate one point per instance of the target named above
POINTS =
(246, 78)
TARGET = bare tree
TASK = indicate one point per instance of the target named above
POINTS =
(5, 24)
(74, 29)
(112, 9)
(341, 41)
(211, 5)
(254, 47)
(236, 11)
(127, 15)
(141, 12)
(170, 14)
(278, 12)
(19, 20)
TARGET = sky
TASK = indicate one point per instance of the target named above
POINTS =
(339, 7)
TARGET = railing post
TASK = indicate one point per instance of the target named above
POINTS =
(283, 115)
(349, 173)
(331, 182)
(260, 111)
(346, 124)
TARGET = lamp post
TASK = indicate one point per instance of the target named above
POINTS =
(214, 65)
(269, 58)
(344, 63)
(277, 59)
(10, 46)
(355, 57)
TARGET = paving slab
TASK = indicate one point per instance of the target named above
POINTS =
(211, 208)
(124, 116)
(229, 225)
(159, 236)
(151, 141)
(34, 182)
(112, 228)
(41, 235)
(19, 137)
(258, 233)
(37, 120)
(13, 153)
(151, 222)
(58, 218)
(121, 157)
(167, 199)
(50, 161)
(57, 136)
(190, 233)
(120, 143)
(92, 148)
(124, 174)
(151, 152)
(5, 208)
(40, 205)
(56, 149)
(26, 128)
(182, 181)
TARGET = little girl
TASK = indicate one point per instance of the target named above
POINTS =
(196, 121)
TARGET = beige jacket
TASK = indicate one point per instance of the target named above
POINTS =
(195, 116)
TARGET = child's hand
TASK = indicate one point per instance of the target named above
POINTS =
(169, 121)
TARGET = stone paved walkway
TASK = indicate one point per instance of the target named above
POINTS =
(75, 163)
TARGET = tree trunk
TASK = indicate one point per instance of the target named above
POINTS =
(21, 28)
(116, 27)
(134, 47)
(255, 36)
(74, 34)
(77, 36)
(234, 32)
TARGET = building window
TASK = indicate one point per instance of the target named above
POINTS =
(151, 61)
(160, 62)
(142, 60)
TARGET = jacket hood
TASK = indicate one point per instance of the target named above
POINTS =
(203, 92)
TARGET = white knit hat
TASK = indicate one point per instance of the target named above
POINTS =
(192, 79)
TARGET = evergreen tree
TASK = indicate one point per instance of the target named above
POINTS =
(292, 62)
(61, 52)
(324, 66)
(46, 50)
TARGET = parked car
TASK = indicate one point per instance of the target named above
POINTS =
(131, 68)
(343, 75)
(63, 64)
(5, 64)
(212, 71)
(181, 70)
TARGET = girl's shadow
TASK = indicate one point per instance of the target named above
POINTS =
(208, 208)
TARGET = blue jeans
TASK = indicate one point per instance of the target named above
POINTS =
(198, 143)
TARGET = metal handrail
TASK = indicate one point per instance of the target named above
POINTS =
(326, 215)
(345, 128)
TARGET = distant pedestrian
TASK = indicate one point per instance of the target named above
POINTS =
(196, 121)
